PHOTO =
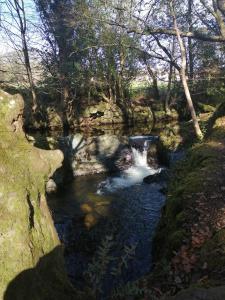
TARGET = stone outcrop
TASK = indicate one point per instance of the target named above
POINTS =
(31, 258)
(91, 155)
(46, 117)
(102, 113)
(110, 113)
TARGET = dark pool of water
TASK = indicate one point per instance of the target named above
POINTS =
(108, 236)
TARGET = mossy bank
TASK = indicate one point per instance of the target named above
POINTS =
(31, 257)
(189, 246)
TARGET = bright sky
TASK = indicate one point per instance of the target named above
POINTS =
(10, 24)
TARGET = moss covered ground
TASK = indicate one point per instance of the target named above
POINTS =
(189, 245)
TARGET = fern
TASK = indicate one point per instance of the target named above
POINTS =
(104, 264)
(98, 268)
(130, 289)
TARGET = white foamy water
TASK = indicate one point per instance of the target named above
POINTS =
(134, 175)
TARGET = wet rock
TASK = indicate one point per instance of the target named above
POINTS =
(124, 159)
(162, 176)
(152, 156)
(51, 186)
(91, 155)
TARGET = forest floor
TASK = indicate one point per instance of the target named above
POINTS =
(190, 240)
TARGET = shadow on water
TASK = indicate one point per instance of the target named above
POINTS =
(46, 281)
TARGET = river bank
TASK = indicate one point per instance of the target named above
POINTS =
(189, 243)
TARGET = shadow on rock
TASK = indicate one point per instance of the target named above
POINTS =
(46, 281)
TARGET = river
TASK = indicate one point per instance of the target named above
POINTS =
(107, 221)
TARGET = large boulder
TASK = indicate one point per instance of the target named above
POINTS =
(31, 258)
(91, 155)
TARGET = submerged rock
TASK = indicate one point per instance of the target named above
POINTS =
(31, 257)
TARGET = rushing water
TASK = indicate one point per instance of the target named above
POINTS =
(107, 224)
(132, 176)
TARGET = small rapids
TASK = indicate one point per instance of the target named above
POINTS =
(133, 175)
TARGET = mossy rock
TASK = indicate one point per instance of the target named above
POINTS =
(31, 257)
(205, 108)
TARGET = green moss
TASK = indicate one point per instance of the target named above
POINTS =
(196, 176)
(27, 231)
(213, 252)
(175, 240)
(202, 107)
(180, 218)
(162, 115)
(188, 180)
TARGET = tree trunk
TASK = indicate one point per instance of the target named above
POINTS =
(20, 10)
(183, 75)
(120, 74)
(64, 99)
(168, 94)
(29, 73)
(190, 44)
(154, 80)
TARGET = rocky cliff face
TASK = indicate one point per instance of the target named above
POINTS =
(31, 261)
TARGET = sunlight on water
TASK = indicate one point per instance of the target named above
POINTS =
(134, 175)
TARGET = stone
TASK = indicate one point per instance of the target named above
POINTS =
(92, 154)
(162, 176)
(51, 186)
(31, 255)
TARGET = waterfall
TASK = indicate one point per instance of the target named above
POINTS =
(133, 175)
(140, 158)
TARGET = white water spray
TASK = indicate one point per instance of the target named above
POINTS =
(133, 175)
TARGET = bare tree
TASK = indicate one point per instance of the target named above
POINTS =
(183, 73)
(17, 10)
(190, 42)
